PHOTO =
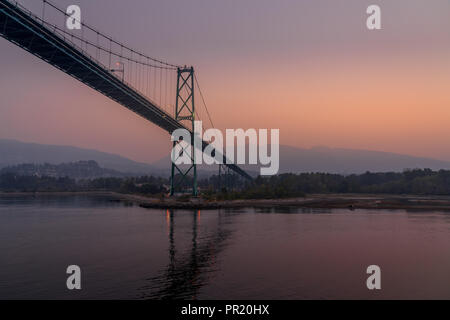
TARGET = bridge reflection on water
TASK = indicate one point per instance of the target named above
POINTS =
(189, 270)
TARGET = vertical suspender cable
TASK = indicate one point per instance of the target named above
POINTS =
(98, 47)
(148, 79)
(160, 86)
(138, 73)
(110, 51)
(131, 67)
(165, 89)
(43, 11)
(154, 84)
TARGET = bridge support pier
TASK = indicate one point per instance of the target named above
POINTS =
(225, 177)
(185, 111)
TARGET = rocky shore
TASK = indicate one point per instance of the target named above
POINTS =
(329, 201)
(349, 201)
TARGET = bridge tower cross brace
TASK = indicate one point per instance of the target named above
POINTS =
(185, 111)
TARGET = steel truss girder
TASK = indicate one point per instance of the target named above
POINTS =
(18, 27)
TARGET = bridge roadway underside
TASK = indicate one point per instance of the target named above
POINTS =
(24, 31)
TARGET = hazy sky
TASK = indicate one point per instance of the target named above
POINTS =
(308, 67)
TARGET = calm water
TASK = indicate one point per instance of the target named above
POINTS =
(128, 252)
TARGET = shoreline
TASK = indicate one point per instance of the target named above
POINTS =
(319, 201)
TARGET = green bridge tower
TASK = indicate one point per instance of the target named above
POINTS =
(185, 111)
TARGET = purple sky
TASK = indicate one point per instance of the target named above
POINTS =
(289, 64)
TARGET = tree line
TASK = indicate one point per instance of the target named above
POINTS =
(417, 181)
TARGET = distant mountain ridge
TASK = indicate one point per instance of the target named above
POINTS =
(13, 152)
(347, 161)
(75, 170)
(292, 159)
(337, 160)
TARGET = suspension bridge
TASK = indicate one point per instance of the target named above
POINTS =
(159, 91)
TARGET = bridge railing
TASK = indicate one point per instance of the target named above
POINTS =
(60, 50)
(153, 78)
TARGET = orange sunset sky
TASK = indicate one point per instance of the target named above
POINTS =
(309, 68)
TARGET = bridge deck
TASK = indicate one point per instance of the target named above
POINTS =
(22, 29)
